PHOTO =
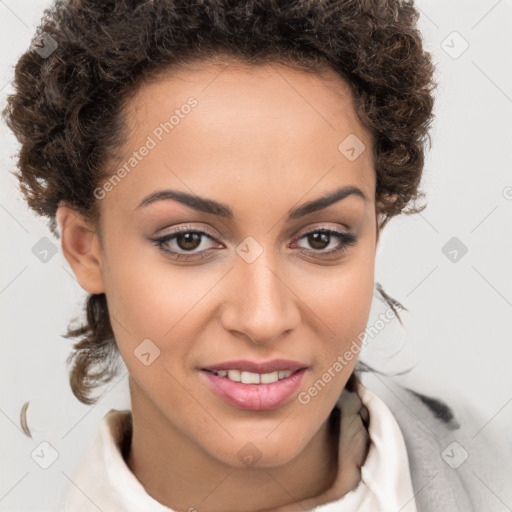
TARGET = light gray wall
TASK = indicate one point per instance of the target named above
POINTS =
(457, 331)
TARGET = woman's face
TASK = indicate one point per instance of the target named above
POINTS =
(249, 281)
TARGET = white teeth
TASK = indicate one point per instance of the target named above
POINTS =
(268, 378)
(254, 378)
(234, 375)
(250, 378)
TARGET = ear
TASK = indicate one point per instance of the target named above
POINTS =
(81, 248)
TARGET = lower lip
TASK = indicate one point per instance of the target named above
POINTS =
(255, 397)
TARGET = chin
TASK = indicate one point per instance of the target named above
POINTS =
(259, 453)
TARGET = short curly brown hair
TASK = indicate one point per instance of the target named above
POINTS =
(67, 108)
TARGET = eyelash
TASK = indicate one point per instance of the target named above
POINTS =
(347, 240)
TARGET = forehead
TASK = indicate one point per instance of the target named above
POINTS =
(254, 129)
(234, 95)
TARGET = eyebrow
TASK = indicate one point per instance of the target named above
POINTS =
(213, 207)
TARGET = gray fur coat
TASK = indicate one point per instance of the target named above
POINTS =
(456, 464)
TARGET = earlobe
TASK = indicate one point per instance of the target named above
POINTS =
(81, 248)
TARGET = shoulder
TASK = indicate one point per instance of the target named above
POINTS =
(455, 464)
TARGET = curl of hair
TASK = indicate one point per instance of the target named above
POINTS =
(67, 109)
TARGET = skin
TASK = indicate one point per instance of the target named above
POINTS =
(261, 140)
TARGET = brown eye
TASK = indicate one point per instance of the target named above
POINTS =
(188, 241)
(184, 244)
(320, 239)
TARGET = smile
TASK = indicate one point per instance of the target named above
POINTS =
(251, 391)
(253, 378)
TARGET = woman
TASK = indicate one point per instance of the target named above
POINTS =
(220, 173)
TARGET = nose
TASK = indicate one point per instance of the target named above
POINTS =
(260, 302)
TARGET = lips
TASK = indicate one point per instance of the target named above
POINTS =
(258, 388)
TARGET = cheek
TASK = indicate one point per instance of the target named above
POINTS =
(354, 294)
(158, 302)
(341, 296)
(346, 309)
(146, 294)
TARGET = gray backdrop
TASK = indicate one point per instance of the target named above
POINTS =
(457, 333)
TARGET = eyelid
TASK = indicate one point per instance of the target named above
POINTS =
(323, 225)
(186, 228)
(345, 237)
(201, 227)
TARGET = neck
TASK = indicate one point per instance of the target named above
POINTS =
(179, 474)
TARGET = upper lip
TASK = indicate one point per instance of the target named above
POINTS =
(255, 367)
